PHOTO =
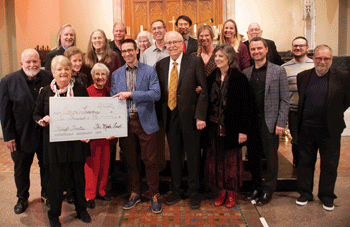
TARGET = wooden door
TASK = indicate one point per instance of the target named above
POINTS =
(143, 12)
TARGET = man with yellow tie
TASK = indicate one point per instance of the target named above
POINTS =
(183, 112)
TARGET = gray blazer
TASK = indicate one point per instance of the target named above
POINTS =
(276, 102)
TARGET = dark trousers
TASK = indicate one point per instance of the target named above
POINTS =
(254, 145)
(23, 161)
(270, 143)
(293, 128)
(148, 147)
(312, 139)
(263, 141)
(180, 140)
(57, 183)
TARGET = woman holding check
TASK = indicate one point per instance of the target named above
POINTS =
(62, 155)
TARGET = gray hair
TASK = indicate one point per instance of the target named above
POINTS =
(99, 66)
(120, 23)
(144, 34)
(323, 46)
(27, 51)
(60, 33)
(62, 60)
(229, 52)
(173, 32)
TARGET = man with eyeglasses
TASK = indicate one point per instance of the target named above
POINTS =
(157, 51)
(254, 30)
(299, 63)
(184, 113)
(324, 96)
(138, 84)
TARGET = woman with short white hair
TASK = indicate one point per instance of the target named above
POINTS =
(97, 165)
(144, 41)
(62, 155)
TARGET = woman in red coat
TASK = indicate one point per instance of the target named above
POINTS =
(97, 165)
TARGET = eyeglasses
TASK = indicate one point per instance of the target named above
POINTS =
(173, 42)
(300, 46)
(324, 59)
(127, 51)
(157, 28)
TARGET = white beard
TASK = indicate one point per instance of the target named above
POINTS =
(31, 73)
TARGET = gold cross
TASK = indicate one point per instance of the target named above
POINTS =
(173, 22)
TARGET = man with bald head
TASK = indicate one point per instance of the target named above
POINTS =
(119, 34)
(18, 94)
(324, 96)
(183, 112)
(254, 30)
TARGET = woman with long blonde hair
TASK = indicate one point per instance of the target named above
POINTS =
(230, 35)
(205, 37)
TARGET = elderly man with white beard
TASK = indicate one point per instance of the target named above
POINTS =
(18, 94)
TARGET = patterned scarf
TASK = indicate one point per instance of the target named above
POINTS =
(68, 89)
(218, 100)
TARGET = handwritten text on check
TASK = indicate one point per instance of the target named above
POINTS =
(79, 118)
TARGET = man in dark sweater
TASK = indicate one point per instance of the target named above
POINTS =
(119, 33)
(324, 96)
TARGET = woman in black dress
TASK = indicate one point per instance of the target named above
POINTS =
(62, 155)
(229, 114)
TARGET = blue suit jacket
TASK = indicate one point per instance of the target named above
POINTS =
(147, 91)
(276, 102)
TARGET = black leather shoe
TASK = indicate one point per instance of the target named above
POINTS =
(195, 202)
(21, 206)
(84, 216)
(172, 199)
(252, 195)
(54, 221)
(264, 198)
(90, 203)
(106, 197)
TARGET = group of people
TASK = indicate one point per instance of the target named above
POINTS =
(203, 97)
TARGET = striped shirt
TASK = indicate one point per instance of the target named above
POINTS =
(131, 74)
(293, 68)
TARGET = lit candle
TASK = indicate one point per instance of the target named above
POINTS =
(215, 31)
(195, 29)
(141, 28)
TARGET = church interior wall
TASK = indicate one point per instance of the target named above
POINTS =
(280, 21)
(327, 23)
(37, 22)
(348, 28)
(87, 16)
(4, 50)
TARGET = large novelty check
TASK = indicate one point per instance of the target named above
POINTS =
(79, 118)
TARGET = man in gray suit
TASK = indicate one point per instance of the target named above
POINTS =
(270, 88)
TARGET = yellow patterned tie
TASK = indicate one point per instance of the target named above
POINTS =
(173, 87)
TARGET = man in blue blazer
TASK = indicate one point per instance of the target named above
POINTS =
(270, 87)
(23, 137)
(138, 84)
